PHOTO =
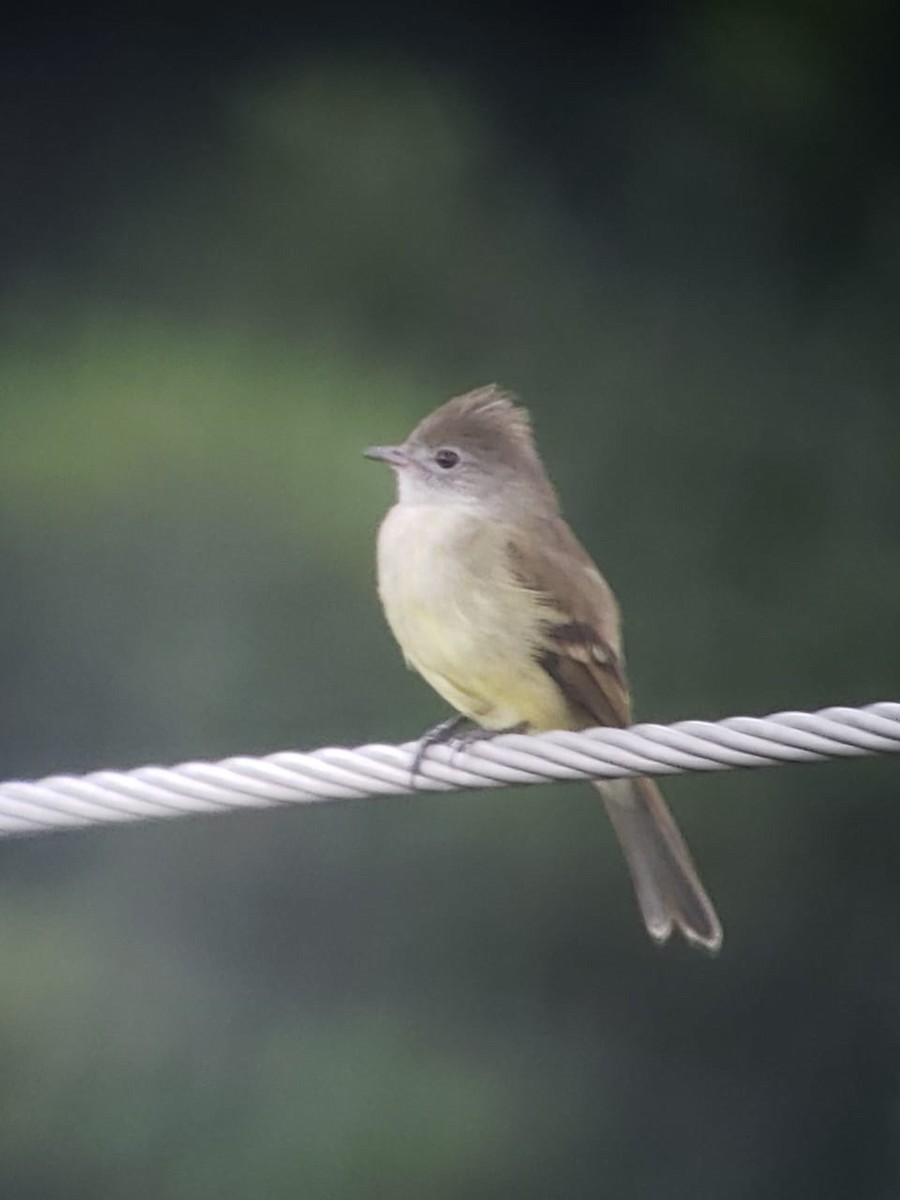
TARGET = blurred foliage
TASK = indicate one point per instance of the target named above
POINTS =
(687, 263)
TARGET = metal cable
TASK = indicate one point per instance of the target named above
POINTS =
(290, 777)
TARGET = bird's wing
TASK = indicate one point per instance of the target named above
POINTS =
(580, 644)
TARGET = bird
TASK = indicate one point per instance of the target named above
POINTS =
(497, 605)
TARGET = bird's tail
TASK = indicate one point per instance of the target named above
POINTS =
(665, 879)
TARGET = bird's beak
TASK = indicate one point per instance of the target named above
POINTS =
(394, 456)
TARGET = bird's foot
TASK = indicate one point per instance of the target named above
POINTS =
(448, 732)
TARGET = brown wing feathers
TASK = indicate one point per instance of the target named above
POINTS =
(581, 630)
(588, 673)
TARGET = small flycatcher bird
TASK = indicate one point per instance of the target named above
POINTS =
(495, 602)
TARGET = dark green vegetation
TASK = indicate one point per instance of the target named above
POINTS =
(233, 262)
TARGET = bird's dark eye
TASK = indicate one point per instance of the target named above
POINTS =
(446, 458)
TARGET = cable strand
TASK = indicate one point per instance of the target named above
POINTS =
(339, 773)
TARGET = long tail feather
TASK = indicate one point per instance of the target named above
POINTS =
(665, 879)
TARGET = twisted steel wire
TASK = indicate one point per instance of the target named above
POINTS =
(337, 773)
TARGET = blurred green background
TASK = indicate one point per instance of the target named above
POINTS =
(234, 255)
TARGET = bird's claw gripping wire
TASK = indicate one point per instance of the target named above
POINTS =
(448, 732)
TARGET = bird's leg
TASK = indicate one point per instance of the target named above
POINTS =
(480, 734)
(447, 732)
(443, 732)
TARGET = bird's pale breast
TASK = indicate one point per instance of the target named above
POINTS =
(462, 619)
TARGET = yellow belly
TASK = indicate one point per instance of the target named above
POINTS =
(462, 620)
